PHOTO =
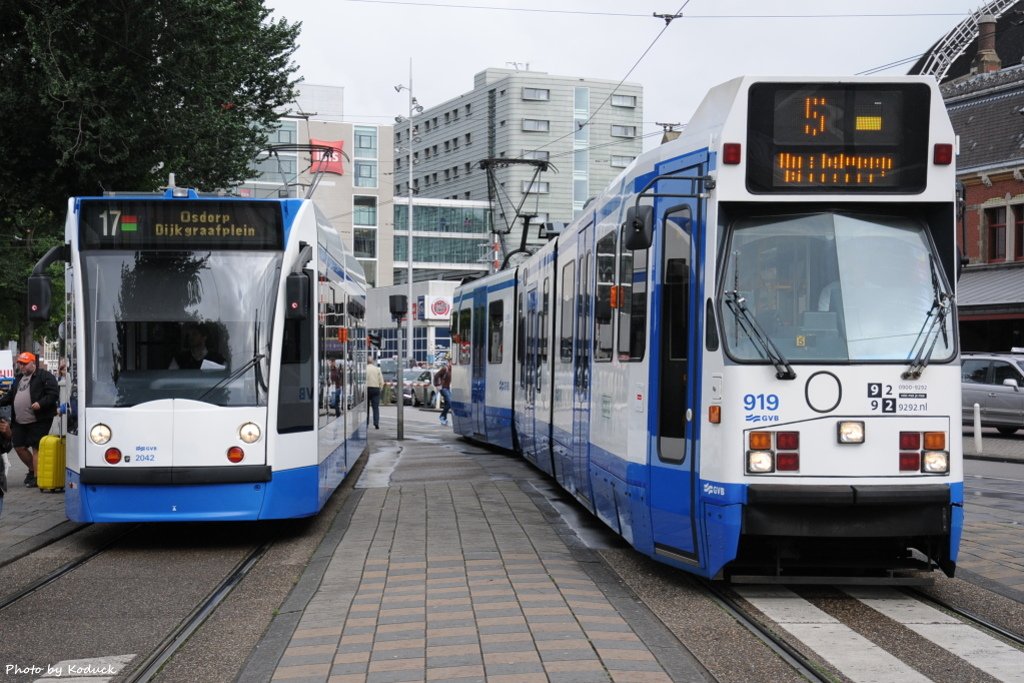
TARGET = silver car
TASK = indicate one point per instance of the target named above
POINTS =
(995, 381)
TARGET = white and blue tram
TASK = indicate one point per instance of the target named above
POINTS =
(202, 332)
(742, 356)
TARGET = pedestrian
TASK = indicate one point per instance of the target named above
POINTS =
(5, 445)
(374, 385)
(33, 398)
(443, 381)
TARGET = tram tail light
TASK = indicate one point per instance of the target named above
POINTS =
(715, 414)
(943, 154)
(787, 462)
(910, 441)
(773, 451)
(732, 153)
(112, 456)
(910, 462)
(235, 454)
(923, 452)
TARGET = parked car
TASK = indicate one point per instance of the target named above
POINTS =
(419, 386)
(995, 381)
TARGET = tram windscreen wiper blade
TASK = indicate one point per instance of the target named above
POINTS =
(936, 318)
(234, 375)
(738, 305)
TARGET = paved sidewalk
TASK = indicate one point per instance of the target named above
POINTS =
(30, 517)
(452, 572)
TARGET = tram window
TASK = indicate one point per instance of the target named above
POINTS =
(568, 312)
(465, 335)
(544, 322)
(521, 341)
(604, 305)
(496, 332)
(632, 303)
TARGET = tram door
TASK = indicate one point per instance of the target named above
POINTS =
(675, 347)
(478, 367)
(582, 360)
(529, 380)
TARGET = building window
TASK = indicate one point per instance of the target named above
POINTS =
(621, 161)
(469, 108)
(541, 94)
(469, 139)
(623, 100)
(624, 131)
(536, 125)
(365, 243)
(996, 220)
(1018, 231)
(447, 146)
(447, 118)
(284, 134)
(535, 187)
(364, 210)
(366, 142)
(541, 155)
(469, 168)
(366, 173)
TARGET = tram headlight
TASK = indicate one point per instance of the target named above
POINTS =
(760, 462)
(99, 434)
(249, 432)
(935, 462)
(851, 431)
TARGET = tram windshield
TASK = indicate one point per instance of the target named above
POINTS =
(835, 287)
(178, 324)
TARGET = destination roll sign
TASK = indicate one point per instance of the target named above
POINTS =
(857, 137)
(180, 225)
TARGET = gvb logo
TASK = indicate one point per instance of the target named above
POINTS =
(714, 490)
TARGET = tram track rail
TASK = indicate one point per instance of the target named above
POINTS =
(802, 664)
(152, 665)
(66, 568)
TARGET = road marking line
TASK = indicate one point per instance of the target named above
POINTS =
(971, 644)
(852, 654)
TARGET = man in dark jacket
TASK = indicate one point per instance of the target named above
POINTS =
(33, 399)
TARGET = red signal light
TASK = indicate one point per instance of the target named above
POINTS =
(787, 441)
(943, 154)
(112, 456)
(910, 462)
(787, 462)
(910, 441)
(235, 454)
(732, 153)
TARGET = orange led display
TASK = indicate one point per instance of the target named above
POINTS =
(820, 137)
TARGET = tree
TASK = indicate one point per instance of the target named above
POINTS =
(106, 96)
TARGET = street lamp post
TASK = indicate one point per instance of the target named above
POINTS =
(414, 107)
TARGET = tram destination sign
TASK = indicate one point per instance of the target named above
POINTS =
(853, 137)
(180, 224)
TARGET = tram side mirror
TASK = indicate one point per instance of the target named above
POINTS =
(296, 292)
(39, 295)
(638, 230)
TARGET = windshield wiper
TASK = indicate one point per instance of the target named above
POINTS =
(738, 305)
(936, 318)
(234, 375)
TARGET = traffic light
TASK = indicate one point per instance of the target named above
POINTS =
(373, 339)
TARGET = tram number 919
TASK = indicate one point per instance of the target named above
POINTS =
(761, 402)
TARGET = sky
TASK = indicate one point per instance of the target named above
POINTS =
(368, 46)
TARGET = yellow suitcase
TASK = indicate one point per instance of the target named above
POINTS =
(51, 466)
